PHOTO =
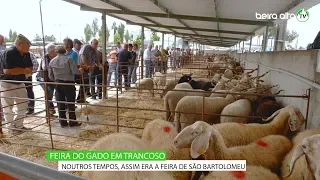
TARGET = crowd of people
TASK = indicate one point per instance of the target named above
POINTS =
(64, 66)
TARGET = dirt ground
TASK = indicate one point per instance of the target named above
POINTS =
(102, 121)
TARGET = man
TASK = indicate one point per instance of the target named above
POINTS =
(29, 86)
(148, 56)
(88, 60)
(164, 65)
(158, 60)
(119, 47)
(68, 44)
(16, 65)
(2, 44)
(98, 74)
(62, 70)
(136, 64)
(42, 75)
(76, 45)
(112, 59)
(123, 60)
(131, 63)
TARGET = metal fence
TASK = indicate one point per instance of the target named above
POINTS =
(121, 111)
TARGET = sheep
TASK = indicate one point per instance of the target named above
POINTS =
(170, 84)
(301, 170)
(159, 135)
(159, 79)
(267, 107)
(252, 173)
(219, 95)
(228, 73)
(241, 107)
(201, 83)
(194, 104)
(237, 134)
(172, 98)
(145, 84)
(310, 148)
(123, 141)
(200, 136)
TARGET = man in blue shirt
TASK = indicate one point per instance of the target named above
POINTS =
(68, 44)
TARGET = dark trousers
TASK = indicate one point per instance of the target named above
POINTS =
(66, 93)
(95, 75)
(80, 98)
(123, 71)
(30, 94)
(98, 79)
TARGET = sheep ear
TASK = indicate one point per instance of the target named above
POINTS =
(272, 116)
(200, 144)
(294, 120)
(296, 154)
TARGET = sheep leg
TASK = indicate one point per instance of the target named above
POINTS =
(198, 174)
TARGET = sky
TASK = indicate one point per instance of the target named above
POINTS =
(64, 19)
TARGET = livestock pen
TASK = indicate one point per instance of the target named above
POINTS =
(122, 111)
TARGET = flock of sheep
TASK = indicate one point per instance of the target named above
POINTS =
(269, 153)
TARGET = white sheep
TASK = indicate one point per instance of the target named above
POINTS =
(300, 170)
(241, 107)
(159, 135)
(205, 139)
(310, 147)
(252, 173)
(172, 98)
(195, 104)
(123, 141)
(159, 79)
(170, 84)
(237, 134)
(145, 84)
(228, 73)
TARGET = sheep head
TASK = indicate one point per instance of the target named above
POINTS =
(197, 135)
(310, 147)
(295, 119)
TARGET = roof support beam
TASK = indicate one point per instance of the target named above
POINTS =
(206, 36)
(196, 29)
(179, 16)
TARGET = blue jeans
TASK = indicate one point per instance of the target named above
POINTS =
(147, 65)
(130, 71)
(51, 88)
(113, 68)
(134, 73)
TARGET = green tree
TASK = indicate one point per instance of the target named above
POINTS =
(131, 37)
(116, 38)
(87, 33)
(114, 27)
(121, 28)
(290, 35)
(127, 36)
(107, 34)
(10, 35)
(37, 38)
(272, 31)
(138, 40)
(94, 27)
(14, 36)
(154, 37)
(50, 38)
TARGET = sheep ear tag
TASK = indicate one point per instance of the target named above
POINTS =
(294, 122)
(200, 145)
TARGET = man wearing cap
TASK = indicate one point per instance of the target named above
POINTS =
(16, 65)
(62, 70)
(88, 60)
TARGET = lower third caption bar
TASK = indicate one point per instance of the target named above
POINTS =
(169, 165)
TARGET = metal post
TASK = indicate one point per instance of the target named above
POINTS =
(142, 47)
(117, 109)
(265, 40)
(46, 80)
(104, 60)
(242, 46)
(308, 104)
(162, 41)
(250, 43)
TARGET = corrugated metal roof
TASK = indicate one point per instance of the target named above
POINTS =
(214, 22)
